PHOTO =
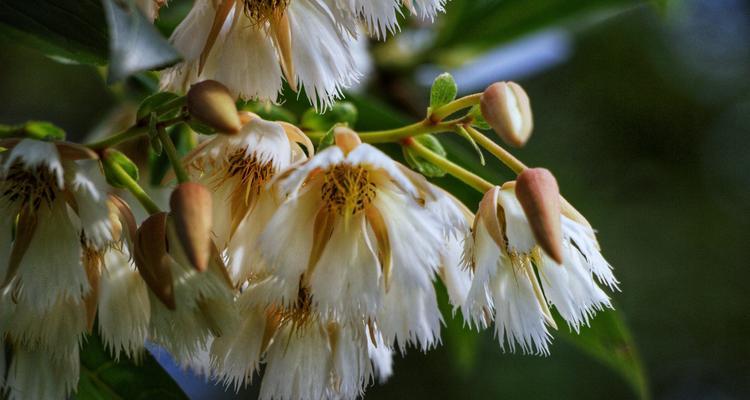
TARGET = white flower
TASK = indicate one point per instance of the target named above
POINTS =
(62, 217)
(250, 45)
(503, 254)
(362, 241)
(316, 360)
(237, 169)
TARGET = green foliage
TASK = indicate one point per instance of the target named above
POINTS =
(104, 378)
(267, 111)
(135, 44)
(115, 157)
(158, 103)
(343, 112)
(609, 340)
(444, 90)
(74, 30)
(39, 130)
(425, 167)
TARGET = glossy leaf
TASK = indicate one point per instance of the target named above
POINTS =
(74, 30)
(418, 163)
(444, 90)
(135, 44)
(609, 340)
(104, 378)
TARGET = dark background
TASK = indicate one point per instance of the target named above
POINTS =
(645, 120)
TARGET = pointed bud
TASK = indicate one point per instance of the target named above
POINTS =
(346, 138)
(539, 195)
(506, 107)
(152, 260)
(191, 208)
(211, 103)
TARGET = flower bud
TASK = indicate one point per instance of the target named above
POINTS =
(193, 218)
(539, 195)
(211, 103)
(346, 138)
(152, 260)
(506, 107)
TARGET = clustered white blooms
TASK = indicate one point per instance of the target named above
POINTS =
(251, 46)
(312, 269)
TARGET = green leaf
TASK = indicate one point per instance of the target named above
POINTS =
(327, 141)
(609, 340)
(104, 378)
(73, 30)
(38, 130)
(154, 104)
(135, 44)
(444, 90)
(477, 119)
(423, 166)
(267, 111)
(118, 158)
(342, 112)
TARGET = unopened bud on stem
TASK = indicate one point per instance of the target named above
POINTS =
(211, 103)
(506, 107)
(152, 259)
(191, 209)
(539, 195)
(346, 138)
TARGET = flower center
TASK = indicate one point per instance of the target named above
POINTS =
(29, 187)
(347, 189)
(253, 174)
(262, 10)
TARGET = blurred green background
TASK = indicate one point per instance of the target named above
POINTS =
(642, 112)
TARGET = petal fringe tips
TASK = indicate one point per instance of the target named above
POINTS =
(527, 256)
(313, 268)
(252, 46)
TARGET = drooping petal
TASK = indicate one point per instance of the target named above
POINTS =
(520, 317)
(298, 365)
(570, 287)
(124, 308)
(585, 246)
(33, 375)
(410, 316)
(51, 267)
(345, 279)
(236, 355)
(87, 186)
(321, 52)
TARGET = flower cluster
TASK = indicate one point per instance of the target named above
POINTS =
(314, 268)
(251, 46)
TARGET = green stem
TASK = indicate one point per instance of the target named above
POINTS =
(131, 133)
(132, 186)
(496, 150)
(466, 176)
(174, 157)
(443, 112)
(398, 134)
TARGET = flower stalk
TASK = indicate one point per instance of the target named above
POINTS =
(466, 176)
(174, 157)
(131, 185)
